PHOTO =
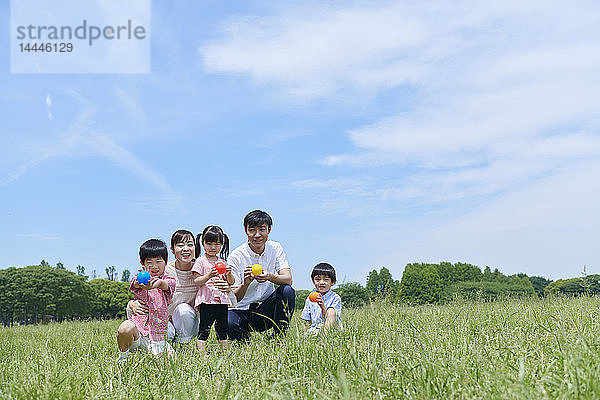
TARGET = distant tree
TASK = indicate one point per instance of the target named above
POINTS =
(37, 291)
(125, 276)
(496, 274)
(110, 298)
(352, 294)
(487, 275)
(301, 296)
(592, 284)
(94, 274)
(80, 270)
(71, 293)
(44, 263)
(60, 266)
(539, 284)
(424, 283)
(486, 290)
(447, 274)
(572, 286)
(372, 282)
(467, 272)
(420, 284)
(381, 285)
(111, 273)
(589, 284)
(9, 308)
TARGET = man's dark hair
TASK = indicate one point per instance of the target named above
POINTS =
(153, 248)
(323, 269)
(257, 218)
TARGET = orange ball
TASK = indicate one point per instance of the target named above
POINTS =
(314, 296)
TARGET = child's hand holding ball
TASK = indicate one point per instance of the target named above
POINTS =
(315, 297)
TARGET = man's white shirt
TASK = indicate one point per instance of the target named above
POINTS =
(272, 259)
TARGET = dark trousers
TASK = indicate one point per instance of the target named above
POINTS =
(274, 312)
(210, 313)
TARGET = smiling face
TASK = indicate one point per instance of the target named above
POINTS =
(323, 283)
(184, 250)
(212, 249)
(154, 265)
(258, 236)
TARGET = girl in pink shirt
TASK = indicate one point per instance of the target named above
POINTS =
(211, 302)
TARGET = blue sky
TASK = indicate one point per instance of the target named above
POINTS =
(375, 133)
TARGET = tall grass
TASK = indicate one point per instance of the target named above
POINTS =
(509, 349)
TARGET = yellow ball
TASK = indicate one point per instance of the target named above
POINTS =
(256, 269)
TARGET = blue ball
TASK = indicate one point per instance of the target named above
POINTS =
(143, 277)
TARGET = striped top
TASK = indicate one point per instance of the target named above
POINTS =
(185, 291)
(154, 324)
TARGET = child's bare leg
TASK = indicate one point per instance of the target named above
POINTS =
(201, 345)
(126, 335)
(330, 319)
(168, 350)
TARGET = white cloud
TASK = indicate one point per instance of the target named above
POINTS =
(314, 52)
(40, 236)
(502, 117)
(319, 49)
(548, 228)
(496, 84)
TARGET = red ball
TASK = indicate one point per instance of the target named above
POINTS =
(221, 268)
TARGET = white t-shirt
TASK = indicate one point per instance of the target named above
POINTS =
(185, 288)
(272, 259)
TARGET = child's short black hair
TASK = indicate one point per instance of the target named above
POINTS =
(179, 236)
(153, 248)
(323, 269)
(257, 218)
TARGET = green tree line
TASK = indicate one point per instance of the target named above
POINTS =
(424, 283)
(37, 293)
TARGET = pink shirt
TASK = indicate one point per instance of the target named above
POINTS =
(154, 324)
(208, 293)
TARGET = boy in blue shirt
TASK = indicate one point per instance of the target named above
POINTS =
(324, 311)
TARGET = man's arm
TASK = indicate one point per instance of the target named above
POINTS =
(284, 273)
(283, 277)
(240, 291)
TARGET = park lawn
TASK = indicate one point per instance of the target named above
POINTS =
(528, 348)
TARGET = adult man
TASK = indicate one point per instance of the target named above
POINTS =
(260, 306)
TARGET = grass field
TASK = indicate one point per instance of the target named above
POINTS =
(508, 349)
